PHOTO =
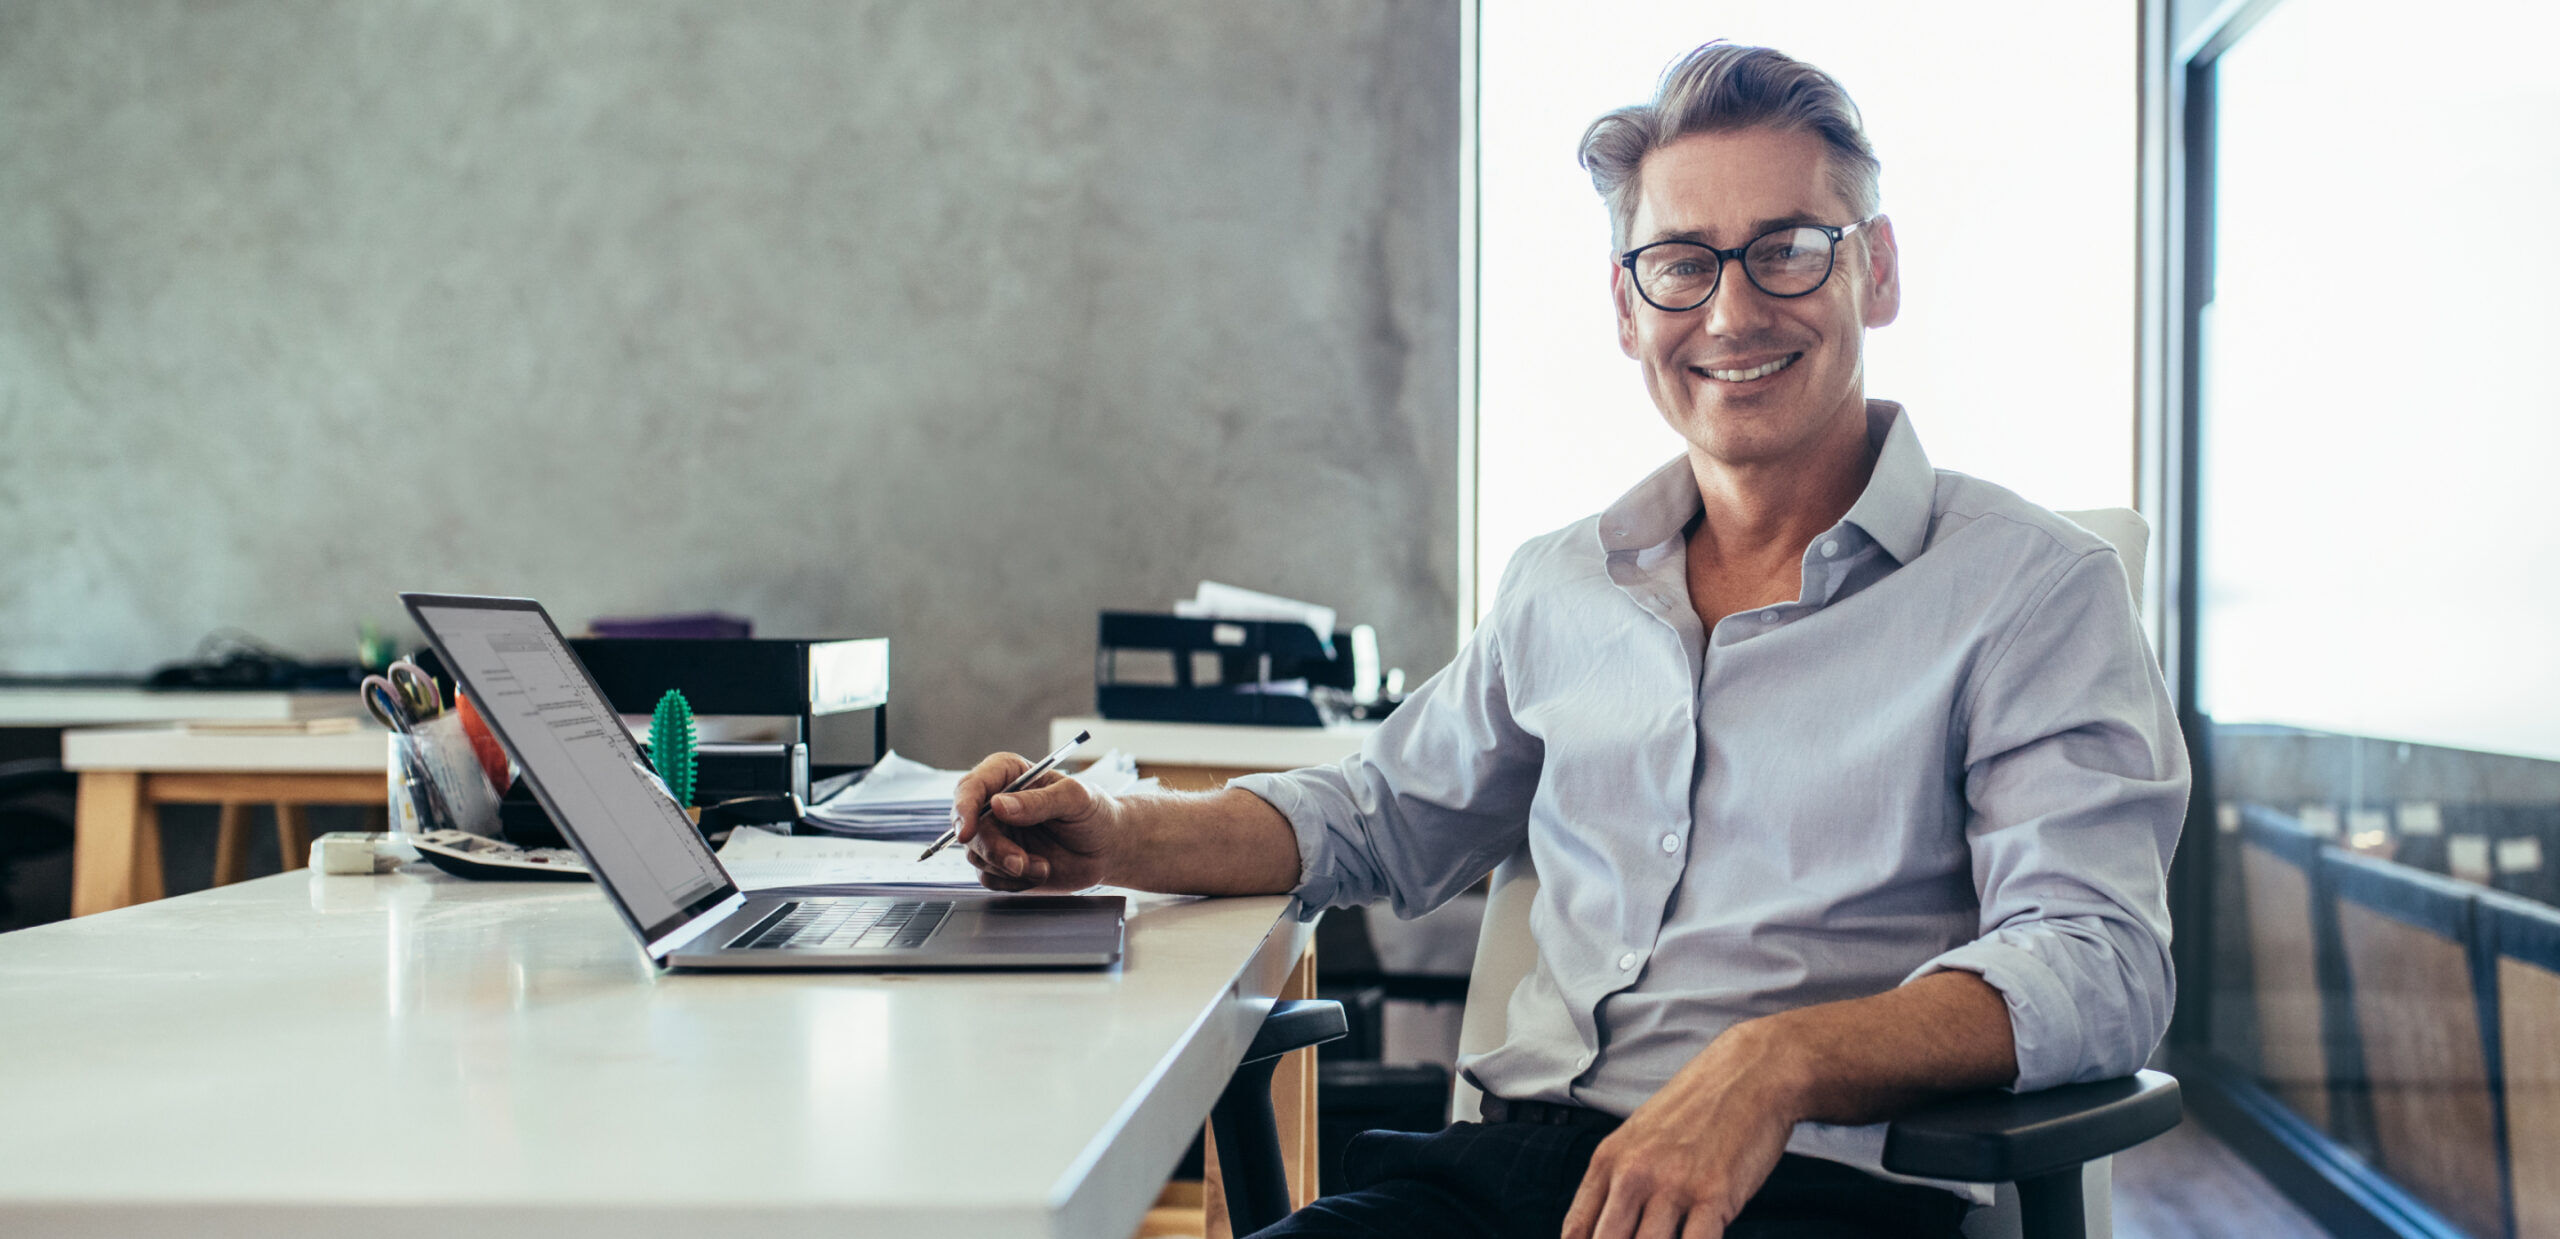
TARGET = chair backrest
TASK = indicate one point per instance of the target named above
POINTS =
(1506, 951)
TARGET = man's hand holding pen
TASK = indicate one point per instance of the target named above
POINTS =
(1053, 835)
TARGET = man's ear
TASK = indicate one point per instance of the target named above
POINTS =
(1883, 273)
(1622, 291)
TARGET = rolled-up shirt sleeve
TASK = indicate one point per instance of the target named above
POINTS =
(2076, 783)
(1435, 798)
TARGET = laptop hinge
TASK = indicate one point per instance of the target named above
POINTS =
(684, 934)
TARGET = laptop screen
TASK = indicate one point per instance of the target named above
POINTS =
(583, 764)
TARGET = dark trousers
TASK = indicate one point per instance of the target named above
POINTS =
(1499, 1180)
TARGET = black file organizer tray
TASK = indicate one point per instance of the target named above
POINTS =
(789, 678)
(1246, 652)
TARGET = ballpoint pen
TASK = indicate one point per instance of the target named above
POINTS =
(1020, 782)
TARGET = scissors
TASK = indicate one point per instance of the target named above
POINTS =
(402, 697)
(386, 703)
(415, 689)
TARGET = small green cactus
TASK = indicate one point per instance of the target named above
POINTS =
(671, 745)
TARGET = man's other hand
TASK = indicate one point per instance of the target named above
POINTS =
(1054, 835)
(1687, 1160)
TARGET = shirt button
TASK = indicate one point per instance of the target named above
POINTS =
(1626, 961)
(1768, 617)
(1671, 843)
(1830, 547)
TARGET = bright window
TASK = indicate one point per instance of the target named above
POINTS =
(2378, 552)
(1991, 116)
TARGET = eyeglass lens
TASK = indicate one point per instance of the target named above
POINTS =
(1789, 262)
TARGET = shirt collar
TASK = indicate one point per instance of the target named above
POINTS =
(1654, 512)
(1894, 509)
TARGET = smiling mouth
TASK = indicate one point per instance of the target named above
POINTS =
(1753, 374)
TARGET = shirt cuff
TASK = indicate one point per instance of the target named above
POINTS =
(1316, 883)
(2044, 1022)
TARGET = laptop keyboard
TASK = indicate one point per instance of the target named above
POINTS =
(878, 924)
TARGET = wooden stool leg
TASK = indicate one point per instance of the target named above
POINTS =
(147, 881)
(115, 852)
(231, 844)
(293, 837)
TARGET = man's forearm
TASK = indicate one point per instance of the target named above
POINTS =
(1865, 1060)
(1707, 1140)
(1228, 842)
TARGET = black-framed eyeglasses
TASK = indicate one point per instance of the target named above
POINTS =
(1794, 261)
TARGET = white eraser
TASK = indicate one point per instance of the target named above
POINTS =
(352, 851)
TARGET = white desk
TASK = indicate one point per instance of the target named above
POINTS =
(44, 705)
(412, 1055)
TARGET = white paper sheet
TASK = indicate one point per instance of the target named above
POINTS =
(760, 860)
(1218, 601)
(899, 780)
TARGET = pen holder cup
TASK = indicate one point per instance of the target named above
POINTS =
(436, 784)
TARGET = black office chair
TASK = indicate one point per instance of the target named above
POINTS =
(35, 821)
(2039, 1141)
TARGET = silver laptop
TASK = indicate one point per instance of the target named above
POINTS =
(662, 877)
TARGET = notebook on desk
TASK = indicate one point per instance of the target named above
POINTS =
(662, 877)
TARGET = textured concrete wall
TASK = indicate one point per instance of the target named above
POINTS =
(950, 322)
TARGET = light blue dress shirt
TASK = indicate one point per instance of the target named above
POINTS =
(1952, 751)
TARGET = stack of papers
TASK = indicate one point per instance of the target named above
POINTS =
(1216, 601)
(901, 800)
(905, 801)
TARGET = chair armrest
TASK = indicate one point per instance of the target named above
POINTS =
(2001, 1137)
(1247, 1135)
(1295, 1025)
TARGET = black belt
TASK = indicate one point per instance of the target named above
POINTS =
(1547, 1113)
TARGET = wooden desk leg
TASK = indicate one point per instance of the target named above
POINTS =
(293, 837)
(1293, 1111)
(1293, 1096)
(115, 853)
(231, 844)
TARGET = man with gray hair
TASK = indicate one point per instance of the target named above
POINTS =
(1850, 782)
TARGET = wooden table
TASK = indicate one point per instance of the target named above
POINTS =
(408, 1054)
(126, 774)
